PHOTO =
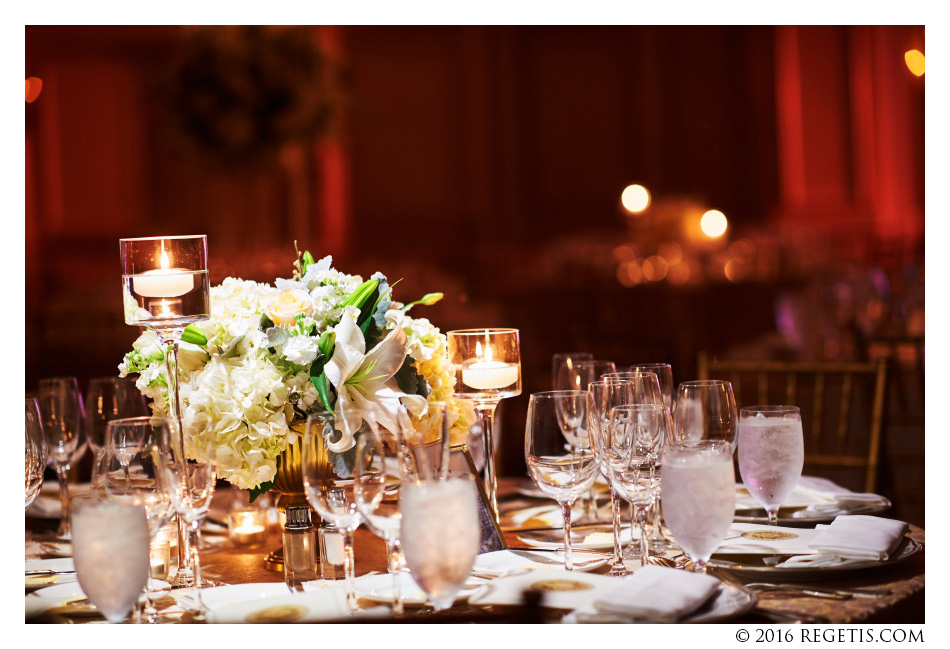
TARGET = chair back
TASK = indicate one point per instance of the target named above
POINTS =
(842, 406)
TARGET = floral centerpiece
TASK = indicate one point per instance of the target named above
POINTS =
(322, 340)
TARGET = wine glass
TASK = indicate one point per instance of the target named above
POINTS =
(560, 461)
(602, 396)
(187, 470)
(664, 374)
(62, 411)
(771, 454)
(575, 373)
(704, 410)
(378, 471)
(439, 534)
(35, 444)
(108, 398)
(566, 360)
(637, 432)
(110, 550)
(332, 498)
(131, 474)
(699, 496)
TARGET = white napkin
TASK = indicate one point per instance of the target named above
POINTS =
(658, 593)
(860, 537)
(749, 538)
(832, 498)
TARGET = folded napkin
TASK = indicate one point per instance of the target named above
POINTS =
(833, 499)
(870, 538)
(658, 593)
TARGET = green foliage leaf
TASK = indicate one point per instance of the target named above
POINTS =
(323, 389)
(409, 380)
(266, 323)
(194, 335)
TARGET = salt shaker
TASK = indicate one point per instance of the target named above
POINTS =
(300, 557)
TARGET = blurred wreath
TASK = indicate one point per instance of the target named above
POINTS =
(240, 93)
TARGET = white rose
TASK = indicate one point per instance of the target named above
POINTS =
(287, 304)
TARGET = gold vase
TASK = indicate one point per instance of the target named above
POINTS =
(288, 483)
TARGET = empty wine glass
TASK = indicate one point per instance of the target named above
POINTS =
(699, 496)
(378, 471)
(187, 465)
(576, 373)
(108, 398)
(439, 534)
(332, 498)
(62, 412)
(664, 374)
(704, 410)
(35, 444)
(131, 474)
(566, 360)
(771, 454)
(110, 550)
(559, 460)
(637, 434)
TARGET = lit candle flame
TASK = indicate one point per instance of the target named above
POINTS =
(166, 264)
(164, 306)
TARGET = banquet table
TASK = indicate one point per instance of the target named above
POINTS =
(901, 585)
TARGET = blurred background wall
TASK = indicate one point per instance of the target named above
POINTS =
(488, 163)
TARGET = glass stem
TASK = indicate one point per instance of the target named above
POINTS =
(486, 417)
(184, 576)
(615, 505)
(198, 612)
(566, 512)
(62, 476)
(773, 515)
(642, 512)
(348, 570)
(392, 547)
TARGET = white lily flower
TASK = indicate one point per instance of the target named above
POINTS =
(365, 382)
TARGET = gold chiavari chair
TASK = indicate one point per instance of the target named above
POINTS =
(842, 406)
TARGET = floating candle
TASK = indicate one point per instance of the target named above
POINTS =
(164, 281)
(489, 375)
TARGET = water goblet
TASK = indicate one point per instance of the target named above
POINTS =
(376, 477)
(566, 360)
(771, 454)
(704, 410)
(699, 496)
(332, 498)
(439, 534)
(560, 462)
(62, 411)
(131, 475)
(35, 444)
(188, 473)
(110, 550)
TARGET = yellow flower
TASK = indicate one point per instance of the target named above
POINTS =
(287, 304)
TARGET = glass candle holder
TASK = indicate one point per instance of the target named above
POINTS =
(159, 559)
(487, 366)
(247, 528)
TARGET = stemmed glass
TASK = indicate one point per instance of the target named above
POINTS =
(699, 496)
(165, 287)
(333, 499)
(110, 550)
(560, 461)
(704, 410)
(378, 471)
(575, 373)
(187, 467)
(108, 398)
(566, 360)
(439, 533)
(62, 411)
(35, 444)
(487, 366)
(771, 454)
(131, 474)
(637, 432)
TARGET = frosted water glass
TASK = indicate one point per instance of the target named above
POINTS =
(110, 550)
(771, 454)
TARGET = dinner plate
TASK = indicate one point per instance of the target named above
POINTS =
(47, 503)
(580, 538)
(379, 588)
(786, 515)
(501, 562)
(308, 606)
(37, 582)
(234, 593)
(726, 603)
(756, 565)
(59, 595)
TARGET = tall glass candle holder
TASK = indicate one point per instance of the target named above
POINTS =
(165, 287)
(487, 369)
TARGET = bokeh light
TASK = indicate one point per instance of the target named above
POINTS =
(915, 62)
(635, 198)
(713, 224)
